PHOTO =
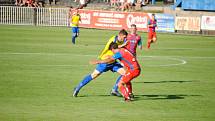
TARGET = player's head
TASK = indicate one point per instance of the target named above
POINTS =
(114, 47)
(133, 29)
(76, 11)
(122, 35)
(153, 16)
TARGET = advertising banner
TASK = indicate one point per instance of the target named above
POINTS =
(208, 23)
(123, 20)
(187, 23)
(165, 23)
(113, 20)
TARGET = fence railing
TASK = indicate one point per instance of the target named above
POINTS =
(52, 17)
(16, 15)
(33, 16)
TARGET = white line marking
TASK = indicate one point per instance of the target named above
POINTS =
(180, 62)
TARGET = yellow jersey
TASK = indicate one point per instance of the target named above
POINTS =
(75, 20)
(106, 52)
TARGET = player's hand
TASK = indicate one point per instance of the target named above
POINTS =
(93, 62)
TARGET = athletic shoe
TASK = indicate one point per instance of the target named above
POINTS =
(127, 99)
(131, 95)
(115, 93)
(75, 92)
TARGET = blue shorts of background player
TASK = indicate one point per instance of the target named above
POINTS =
(75, 33)
(100, 68)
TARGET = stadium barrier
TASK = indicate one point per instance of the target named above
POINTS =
(188, 25)
(105, 19)
(52, 16)
(17, 15)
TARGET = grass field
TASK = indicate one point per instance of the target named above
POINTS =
(39, 67)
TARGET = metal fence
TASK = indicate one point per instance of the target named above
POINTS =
(33, 16)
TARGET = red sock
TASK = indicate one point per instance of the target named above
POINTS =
(124, 92)
(129, 87)
(149, 44)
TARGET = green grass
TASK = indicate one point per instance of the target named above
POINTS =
(39, 67)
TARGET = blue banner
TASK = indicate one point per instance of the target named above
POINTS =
(165, 23)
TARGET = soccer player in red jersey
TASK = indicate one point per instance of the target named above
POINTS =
(133, 41)
(152, 24)
(131, 65)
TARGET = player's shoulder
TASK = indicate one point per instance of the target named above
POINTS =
(112, 38)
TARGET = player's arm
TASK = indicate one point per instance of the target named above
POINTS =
(156, 24)
(140, 44)
(79, 17)
(149, 24)
(108, 60)
(124, 44)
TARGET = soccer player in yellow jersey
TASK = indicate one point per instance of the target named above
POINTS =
(76, 18)
(100, 68)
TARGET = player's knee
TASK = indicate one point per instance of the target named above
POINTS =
(121, 83)
(121, 71)
(95, 74)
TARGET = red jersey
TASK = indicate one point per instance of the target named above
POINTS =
(127, 59)
(152, 29)
(133, 41)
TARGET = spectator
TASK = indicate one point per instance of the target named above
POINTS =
(18, 2)
(50, 2)
(82, 4)
(114, 2)
(126, 6)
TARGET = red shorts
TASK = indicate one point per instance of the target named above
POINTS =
(151, 35)
(130, 74)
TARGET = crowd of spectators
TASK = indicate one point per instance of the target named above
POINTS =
(128, 5)
(29, 3)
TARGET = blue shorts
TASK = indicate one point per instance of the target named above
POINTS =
(75, 29)
(103, 67)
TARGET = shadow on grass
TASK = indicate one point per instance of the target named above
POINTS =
(163, 97)
(149, 97)
(147, 82)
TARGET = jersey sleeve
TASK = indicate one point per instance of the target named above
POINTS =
(149, 22)
(155, 25)
(117, 55)
(139, 42)
(106, 47)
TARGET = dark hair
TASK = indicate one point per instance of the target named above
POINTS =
(123, 31)
(113, 46)
(133, 25)
(153, 14)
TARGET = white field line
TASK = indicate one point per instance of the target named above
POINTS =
(174, 58)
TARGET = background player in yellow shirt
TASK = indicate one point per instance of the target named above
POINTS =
(76, 18)
(100, 68)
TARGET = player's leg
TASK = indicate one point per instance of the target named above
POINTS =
(77, 32)
(117, 68)
(122, 86)
(85, 81)
(114, 91)
(149, 40)
(74, 34)
(99, 69)
(154, 37)
(123, 89)
(133, 75)
(125, 84)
